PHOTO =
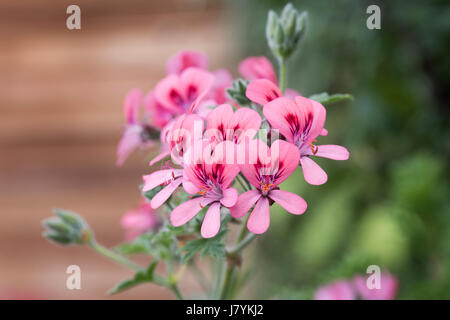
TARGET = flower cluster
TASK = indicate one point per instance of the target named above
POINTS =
(213, 141)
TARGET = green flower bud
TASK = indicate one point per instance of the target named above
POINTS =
(301, 26)
(272, 22)
(66, 228)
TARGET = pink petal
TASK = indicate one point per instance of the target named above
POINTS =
(324, 132)
(158, 116)
(130, 141)
(332, 151)
(289, 201)
(230, 197)
(319, 115)
(248, 121)
(387, 290)
(159, 157)
(225, 163)
(244, 203)
(170, 94)
(338, 290)
(260, 217)
(254, 68)
(283, 114)
(196, 79)
(250, 155)
(185, 59)
(165, 193)
(219, 118)
(312, 172)
(211, 222)
(159, 177)
(285, 157)
(188, 186)
(131, 106)
(198, 103)
(262, 91)
(185, 211)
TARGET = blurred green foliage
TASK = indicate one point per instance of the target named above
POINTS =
(389, 204)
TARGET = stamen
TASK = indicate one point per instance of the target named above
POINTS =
(265, 187)
(204, 190)
(314, 148)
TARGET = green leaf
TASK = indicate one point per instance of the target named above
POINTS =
(214, 247)
(324, 98)
(237, 92)
(139, 278)
(140, 244)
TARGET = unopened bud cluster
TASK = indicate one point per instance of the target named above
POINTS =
(285, 32)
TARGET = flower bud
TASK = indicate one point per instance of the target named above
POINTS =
(285, 32)
(67, 228)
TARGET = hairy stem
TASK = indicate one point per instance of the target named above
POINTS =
(114, 256)
(282, 75)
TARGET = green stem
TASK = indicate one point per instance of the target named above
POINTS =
(282, 75)
(233, 252)
(176, 291)
(227, 281)
(130, 264)
(114, 256)
(197, 273)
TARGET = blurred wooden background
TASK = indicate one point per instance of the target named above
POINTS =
(61, 95)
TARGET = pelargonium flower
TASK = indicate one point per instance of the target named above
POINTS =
(301, 121)
(186, 59)
(222, 124)
(387, 290)
(178, 93)
(139, 220)
(337, 290)
(137, 133)
(210, 178)
(265, 168)
(181, 137)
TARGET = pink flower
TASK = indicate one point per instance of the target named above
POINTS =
(253, 68)
(178, 93)
(337, 290)
(265, 168)
(301, 122)
(387, 290)
(222, 124)
(181, 136)
(139, 220)
(186, 59)
(210, 178)
(137, 134)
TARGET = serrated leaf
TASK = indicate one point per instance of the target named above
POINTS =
(325, 99)
(139, 278)
(214, 247)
